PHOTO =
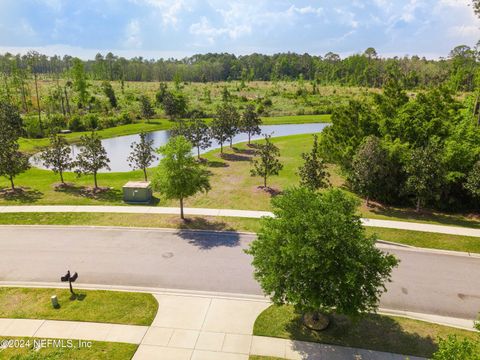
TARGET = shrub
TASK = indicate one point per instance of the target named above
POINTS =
(32, 128)
(124, 118)
(90, 121)
(75, 123)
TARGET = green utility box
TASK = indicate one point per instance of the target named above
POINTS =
(137, 192)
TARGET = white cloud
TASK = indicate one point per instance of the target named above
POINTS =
(133, 34)
(169, 10)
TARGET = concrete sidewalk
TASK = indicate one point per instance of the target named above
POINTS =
(193, 327)
(400, 225)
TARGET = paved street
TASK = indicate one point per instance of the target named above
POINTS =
(424, 282)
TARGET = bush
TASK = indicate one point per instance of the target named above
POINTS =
(107, 122)
(124, 118)
(90, 121)
(32, 128)
(267, 102)
(75, 123)
(56, 122)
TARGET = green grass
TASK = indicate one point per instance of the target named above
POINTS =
(73, 350)
(372, 332)
(90, 305)
(428, 240)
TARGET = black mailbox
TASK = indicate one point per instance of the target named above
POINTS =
(74, 277)
(70, 279)
(66, 277)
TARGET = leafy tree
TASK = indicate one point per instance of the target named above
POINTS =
(109, 93)
(267, 163)
(225, 124)
(473, 181)
(92, 157)
(12, 161)
(179, 176)
(11, 123)
(58, 156)
(369, 167)
(174, 104)
(453, 348)
(313, 173)
(146, 107)
(80, 82)
(142, 155)
(196, 131)
(162, 91)
(250, 122)
(425, 173)
(314, 254)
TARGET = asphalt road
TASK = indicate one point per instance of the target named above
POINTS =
(424, 282)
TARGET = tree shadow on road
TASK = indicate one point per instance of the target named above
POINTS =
(206, 240)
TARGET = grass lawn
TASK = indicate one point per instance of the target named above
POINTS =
(90, 305)
(373, 332)
(72, 351)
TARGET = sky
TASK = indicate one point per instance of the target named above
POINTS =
(179, 28)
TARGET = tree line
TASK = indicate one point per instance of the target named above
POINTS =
(365, 69)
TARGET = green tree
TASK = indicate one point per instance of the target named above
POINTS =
(196, 131)
(58, 156)
(11, 123)
(454, 348)
(425, 173)
(225, 124)
(473, 181)
(142, 154)
(33, 63)
(12, 161)
(92, 157)
(314, 254)
(179, 176)
(250, 122)
(267, 163)
(174, 104)
(369, 167)
(80, 82)
(313, 173)
(146, 107)
(109, 93)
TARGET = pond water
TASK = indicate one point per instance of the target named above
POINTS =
(118, 148)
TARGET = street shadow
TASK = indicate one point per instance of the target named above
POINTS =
(207, 240)
(371, 332)
(24, 195)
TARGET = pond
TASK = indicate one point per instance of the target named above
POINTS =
(118, 148)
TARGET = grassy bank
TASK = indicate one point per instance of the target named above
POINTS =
(89, 305)
(372, 332)
(413, 238)
(72, 351)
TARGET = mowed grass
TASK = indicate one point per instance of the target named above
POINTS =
(372, 332)
(90, 305)
(73, 350)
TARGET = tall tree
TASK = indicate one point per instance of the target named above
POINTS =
(146, 107)
(179, 176)
(80, 82)
(33, 60)
(314, 254)
(425, 173)
(473, 181)
(142, 155)
(225, 124)
(58, 156)
(267, 163)
(369, 167)
(250, 122)
(109, 93)
(313, 173)
(92, 157)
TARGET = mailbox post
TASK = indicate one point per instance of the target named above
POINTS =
(70, 279)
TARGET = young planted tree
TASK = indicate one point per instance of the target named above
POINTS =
(12, 161)
(250, 122)
(146, 107)
(425, 173)
(315, 255)
(179, 175)
(196, 131)
(313, 173)
(142, 155)
(109, 93)
(58, 156)
(92, 157)
(369, 167)
(267, 163)
(225, 124)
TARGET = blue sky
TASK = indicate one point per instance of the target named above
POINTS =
(178, 28)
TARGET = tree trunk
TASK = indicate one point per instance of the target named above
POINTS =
(95, 179)
(11, 183)
(418, 205)
(198, 152)
(265, 181)
(231, 143)
(181, 209)
(145, 173)
(249, 136)
(221, 147)
(61, 177)
(38, 103)
(368, 200)
(66, 99)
